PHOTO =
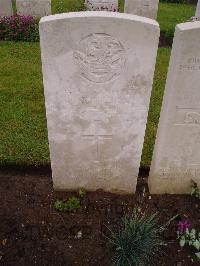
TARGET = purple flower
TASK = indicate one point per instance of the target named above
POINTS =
(183, 226)
(19, 28)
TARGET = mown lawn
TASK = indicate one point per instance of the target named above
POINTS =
(155, 104)
(23, 133)
(171, 14)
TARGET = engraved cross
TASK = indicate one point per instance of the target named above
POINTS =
(98, 137)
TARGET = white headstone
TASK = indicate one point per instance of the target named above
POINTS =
(97, 88)
(36, 8)
(102, 5)
(198, 10)
(5, 8)
(144, 8)
(176, 158)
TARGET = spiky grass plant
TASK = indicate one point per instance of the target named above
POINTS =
(138, 240)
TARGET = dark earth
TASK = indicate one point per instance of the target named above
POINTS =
(33, 233)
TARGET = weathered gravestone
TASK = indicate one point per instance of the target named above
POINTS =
(36, 8)
(102, 5)
(144, 8)
(97, 89)
(176, 158)
(5, 8)
(197, 14)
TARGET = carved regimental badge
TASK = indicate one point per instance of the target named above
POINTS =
(100, 58)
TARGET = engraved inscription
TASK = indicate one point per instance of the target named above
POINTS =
(100, 58)
(187, 116)
(192, 118)
(101, 5)
(171, 172)
(192, 64)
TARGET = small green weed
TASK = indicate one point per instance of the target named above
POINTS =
(195, 190)
(82, 192)
(71, 205)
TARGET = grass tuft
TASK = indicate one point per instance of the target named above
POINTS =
(137, 241)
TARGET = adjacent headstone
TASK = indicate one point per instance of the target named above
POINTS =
(6, 8)
(36, 8)
(197, 14)
(144, 8)
(97, 88)
(176, 158)
(102, 5)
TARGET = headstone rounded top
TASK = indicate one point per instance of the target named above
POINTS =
(188, 25)
(105, 14)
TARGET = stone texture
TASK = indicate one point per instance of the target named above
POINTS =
(102, 5)
(197, 14)
(36, 8)
(176, 158)
(144, 8)
(97, 88)
(5, 8)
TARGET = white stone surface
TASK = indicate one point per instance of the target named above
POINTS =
(198, 10)
(97, 88)
(144, 8)
(5, 8)
(102, 5)
(176, 158)
(36, 8)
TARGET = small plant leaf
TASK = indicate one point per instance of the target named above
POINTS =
(182, 242)
(196, 244)
(198, 255)
(73, 204)
(193, 190)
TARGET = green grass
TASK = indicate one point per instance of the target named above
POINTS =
(14, 5)
(171, 14)
(155, 104)
(23, 130)
(61, 6)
